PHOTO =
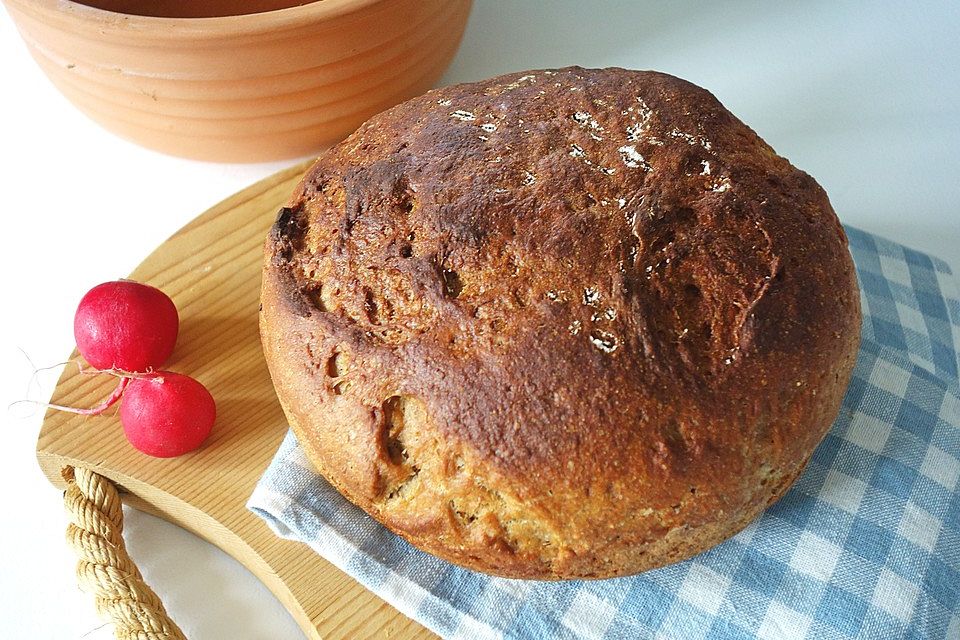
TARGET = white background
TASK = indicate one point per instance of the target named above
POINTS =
(863, 96)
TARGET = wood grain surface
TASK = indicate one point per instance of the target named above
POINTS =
(211, 269)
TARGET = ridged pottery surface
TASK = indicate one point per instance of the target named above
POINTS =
(242, 88)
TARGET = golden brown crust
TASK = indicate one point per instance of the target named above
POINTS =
(571, 323)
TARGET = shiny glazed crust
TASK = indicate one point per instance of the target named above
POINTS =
(558, 324)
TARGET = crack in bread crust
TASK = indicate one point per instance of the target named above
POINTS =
(564, 323)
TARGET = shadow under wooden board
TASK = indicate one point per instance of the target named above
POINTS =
(211, 269)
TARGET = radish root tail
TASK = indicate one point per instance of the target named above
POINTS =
(93, 411)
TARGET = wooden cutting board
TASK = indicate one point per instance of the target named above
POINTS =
(211, 269)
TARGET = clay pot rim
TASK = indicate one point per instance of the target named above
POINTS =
(248, 23)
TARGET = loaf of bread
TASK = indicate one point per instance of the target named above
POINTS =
(559, 324)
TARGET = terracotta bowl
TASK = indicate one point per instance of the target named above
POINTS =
(215, 81)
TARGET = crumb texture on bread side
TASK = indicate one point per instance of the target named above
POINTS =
(562, 323)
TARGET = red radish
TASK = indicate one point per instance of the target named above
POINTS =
(166, 414)
(126, 325)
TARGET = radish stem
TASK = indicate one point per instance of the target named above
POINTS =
(94, 411)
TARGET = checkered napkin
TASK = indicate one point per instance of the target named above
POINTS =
(865, 545)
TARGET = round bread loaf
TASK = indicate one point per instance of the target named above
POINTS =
(558, 324)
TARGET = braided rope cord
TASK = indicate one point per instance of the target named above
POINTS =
(104, 567)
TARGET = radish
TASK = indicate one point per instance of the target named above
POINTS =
(166, 414)
(126, 325)
(129, 329)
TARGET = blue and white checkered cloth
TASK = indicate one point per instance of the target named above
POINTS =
(865, 545)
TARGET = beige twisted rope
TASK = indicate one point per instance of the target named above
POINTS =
(104, 568)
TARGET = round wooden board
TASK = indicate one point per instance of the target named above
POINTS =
(211, 269)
